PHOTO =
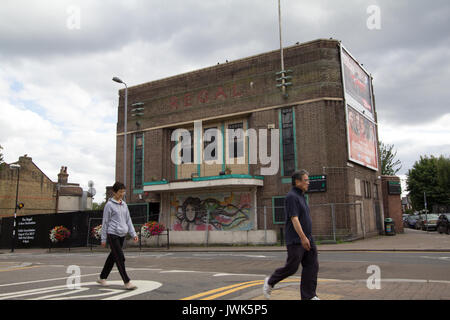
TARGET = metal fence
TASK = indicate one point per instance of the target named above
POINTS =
(138, 222)
(331, 222)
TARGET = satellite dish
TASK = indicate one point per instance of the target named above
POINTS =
(92, 190)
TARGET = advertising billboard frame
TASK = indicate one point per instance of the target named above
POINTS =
(349, 141)
(351, 102)
(349, 98)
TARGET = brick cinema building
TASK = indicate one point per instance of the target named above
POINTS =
(326, 123)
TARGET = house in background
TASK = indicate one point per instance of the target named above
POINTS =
(36, 190)
(71, 196)
(38, 193)
(406, 203)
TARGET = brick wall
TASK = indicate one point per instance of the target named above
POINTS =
(231, 89)
(246, 89)
(237, 86)
(392, 204)
(36, 190)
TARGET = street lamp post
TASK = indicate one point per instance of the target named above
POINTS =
(116, 79)
(426, 209)
(15, 166)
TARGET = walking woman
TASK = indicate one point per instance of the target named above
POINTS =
(115, 226)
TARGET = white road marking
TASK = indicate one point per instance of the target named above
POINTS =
(436, 258)
(238, 274)
(392, 280)
(143, 286)
(143, 269)
(61, 294)
(108, 292)
(180, 271)
(348, 261)
(46, 280)
(230, 255)
(24, 293)
(157, 255)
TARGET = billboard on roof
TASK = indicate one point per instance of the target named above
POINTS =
(357, 85)
(362, 139)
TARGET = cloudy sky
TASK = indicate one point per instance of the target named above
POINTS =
(59, 105)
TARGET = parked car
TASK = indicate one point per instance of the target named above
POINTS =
(427, 222)
(418, 224)
(443, 224)
(404, 218)
(411, 220)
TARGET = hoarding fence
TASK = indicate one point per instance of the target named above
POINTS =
(33, 231)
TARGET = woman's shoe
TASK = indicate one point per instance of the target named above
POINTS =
(129, 286)
(102, 282)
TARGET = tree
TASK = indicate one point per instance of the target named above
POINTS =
(98, 206)
(429, 175)
(389, 166)
(443, 171)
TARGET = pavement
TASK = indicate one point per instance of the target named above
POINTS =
(334, 289)
(411, 240)
(390, 289)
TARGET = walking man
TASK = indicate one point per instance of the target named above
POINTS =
(300, 244)
(115, 226)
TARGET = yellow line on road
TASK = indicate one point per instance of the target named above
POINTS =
(219, 292)
(233, 290)
(22, 268)
(243, 287)
(384, 251)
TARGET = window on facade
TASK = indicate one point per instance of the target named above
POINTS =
(138, 160)
(367, 191)
(213, 154)
(375, 191)
(191, 133)
(358, 187)
(235, 140)
(278, 210)
(288, 140)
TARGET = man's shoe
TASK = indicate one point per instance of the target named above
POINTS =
(102, 282)
(315, 298)
(267, 289)
(129, 286)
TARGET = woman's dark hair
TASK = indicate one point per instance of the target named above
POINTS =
(298, 175)
(118, 186)
(196, 203)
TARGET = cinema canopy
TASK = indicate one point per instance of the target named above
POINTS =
(327, 124)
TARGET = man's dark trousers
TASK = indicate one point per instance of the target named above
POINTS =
(296, 255)
(116, 256)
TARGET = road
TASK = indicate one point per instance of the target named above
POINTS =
(201, 275)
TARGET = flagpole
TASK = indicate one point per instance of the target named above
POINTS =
(283, 87)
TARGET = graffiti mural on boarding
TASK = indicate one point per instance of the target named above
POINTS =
(224, 211)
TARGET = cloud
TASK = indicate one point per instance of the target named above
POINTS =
(412, 141)
(59, 131)
(55, 81)
(416, 77)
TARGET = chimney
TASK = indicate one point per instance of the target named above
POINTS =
(25, 158)
(63, 176)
